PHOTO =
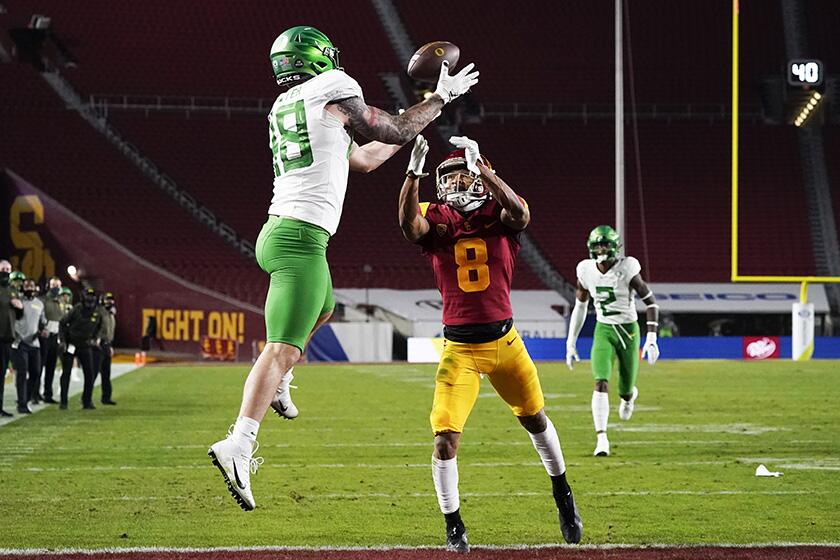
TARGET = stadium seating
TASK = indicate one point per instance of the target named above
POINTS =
(55, 150)
(685, 171)
(564, 169)
(567, 55)
(207, 49)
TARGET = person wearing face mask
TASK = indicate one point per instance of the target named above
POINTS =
(103, 353)
(10, 308)
(26, 351)
(54, 311)
(79, 332)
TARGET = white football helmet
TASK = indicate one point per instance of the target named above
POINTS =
(457, 186)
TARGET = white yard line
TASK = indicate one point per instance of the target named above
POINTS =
(309, 466)
(76, 385)
(431, 495)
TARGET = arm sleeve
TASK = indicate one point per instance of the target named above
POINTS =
(576, 321)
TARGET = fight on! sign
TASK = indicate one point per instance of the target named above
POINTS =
(761, 347)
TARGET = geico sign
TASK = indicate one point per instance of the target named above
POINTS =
(697, 296)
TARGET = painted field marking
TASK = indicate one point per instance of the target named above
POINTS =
(397, 547)
(9, 402)
(309, 466)
(432, 495)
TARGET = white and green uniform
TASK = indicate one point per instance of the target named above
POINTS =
(310, 150)
(617, 328)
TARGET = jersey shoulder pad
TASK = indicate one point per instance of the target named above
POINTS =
(581, 272)
(335, 85)
(632, 266)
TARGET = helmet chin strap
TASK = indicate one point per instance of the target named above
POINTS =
(602, 258)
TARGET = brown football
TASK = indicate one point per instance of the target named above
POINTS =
(424, 65)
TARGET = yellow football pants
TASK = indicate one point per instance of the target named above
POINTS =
(505, 361)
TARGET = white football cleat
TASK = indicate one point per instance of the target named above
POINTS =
(236, 463)
(282, 401)
(602, 448)
(625, 408)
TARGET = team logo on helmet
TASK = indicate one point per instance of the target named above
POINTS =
(459, 187)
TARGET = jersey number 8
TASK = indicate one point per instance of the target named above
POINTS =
(471, 257)
(290, 138)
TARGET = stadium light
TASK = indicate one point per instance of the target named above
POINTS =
(74, 272)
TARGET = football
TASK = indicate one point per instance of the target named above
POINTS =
(424, 65)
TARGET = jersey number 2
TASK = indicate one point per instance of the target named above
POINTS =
(608, 300)
(471, 257)
(290, 138)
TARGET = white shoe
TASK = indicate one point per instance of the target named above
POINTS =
(237, 463)
(602, 448)
(625, 409)
(282, 401)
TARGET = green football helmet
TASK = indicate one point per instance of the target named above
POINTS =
(603, 235)
(301, 53)
(17, 276)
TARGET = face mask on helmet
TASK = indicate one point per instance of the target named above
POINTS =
(603, 244)
(457, 186)
(602, 252)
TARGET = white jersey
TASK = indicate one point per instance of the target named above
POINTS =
(311, 149)
(611, 293)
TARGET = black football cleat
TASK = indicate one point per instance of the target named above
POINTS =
(456, 539)
(570, 524)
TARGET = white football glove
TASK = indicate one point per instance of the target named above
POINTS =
(471, 152)
(571, 355)
(450, 87)
(650, 349)
(418, 156)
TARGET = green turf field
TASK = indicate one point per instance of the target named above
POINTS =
(353, 468)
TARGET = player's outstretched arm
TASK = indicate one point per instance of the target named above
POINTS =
(576, 324)
(515, 213)
(366, 158)
(376, 124)
(414, 226)
(651, 348)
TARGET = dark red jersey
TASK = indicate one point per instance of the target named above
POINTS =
(472, 257)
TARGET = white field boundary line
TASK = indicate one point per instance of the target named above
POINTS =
(76, 386)
(432, 495)
(386, 548)
(98, 468)
(428, 444)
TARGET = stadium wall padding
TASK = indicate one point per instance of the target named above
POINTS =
(677, 348)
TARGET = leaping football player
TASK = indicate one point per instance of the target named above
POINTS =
(311, 127)
(611, 280)
(471, 238)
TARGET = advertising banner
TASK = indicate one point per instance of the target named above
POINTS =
(761, 347)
